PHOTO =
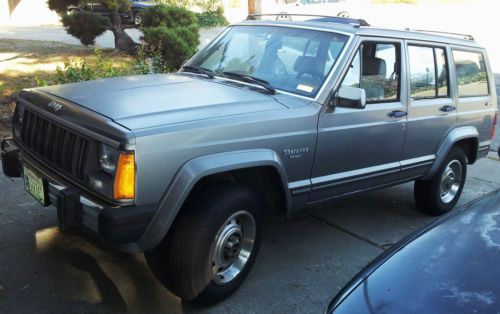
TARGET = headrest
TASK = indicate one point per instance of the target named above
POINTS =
(307, 64)
(374, 66)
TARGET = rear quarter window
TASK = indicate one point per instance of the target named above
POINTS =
(470, 70)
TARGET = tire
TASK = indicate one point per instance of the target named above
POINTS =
(137, 19)
(344, 14)
(440, 194)
(205, 235)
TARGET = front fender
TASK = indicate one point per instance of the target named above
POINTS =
(194, 170)
(454, 136)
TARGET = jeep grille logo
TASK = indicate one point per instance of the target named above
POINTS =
(55, 106)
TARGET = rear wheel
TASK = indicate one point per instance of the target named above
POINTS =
(440, 194)
(344, 14)
(212, 246)
(137, 19)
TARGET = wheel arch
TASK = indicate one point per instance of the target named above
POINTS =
(240, 165)
(465, 137)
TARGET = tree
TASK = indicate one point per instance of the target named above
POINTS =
(254, 6)
(86, 26)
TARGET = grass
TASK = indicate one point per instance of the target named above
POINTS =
(23, 61)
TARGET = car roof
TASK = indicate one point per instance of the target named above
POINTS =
(357, 29)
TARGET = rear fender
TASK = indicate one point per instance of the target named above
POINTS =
(453, 137)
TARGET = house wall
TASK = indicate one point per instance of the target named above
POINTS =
(27, 13)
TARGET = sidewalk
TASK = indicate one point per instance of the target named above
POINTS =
(106, 40)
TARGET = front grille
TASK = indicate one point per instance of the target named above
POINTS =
(54, 144)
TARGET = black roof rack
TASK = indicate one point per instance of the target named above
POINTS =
(283, 16)
(463, 36)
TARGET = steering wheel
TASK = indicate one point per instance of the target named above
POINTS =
(314, 74)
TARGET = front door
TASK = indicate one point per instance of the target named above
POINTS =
(359, 149)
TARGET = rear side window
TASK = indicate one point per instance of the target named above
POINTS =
(428, 72)
(470, 70)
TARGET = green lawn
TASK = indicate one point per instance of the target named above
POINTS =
(23, 61)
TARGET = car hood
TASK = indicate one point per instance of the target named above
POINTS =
(138, 102)
(449, 267)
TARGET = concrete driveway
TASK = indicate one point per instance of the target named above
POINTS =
(302, 264)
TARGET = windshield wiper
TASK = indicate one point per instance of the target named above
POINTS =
(251, 79)
(199, 70)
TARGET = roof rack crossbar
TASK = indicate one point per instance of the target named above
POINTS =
(318, 18)
(464, 36)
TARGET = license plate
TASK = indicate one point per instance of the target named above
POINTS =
(35, 185)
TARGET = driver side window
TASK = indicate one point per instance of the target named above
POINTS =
(376, 69)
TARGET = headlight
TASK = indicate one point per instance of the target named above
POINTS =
(19, 113)
(108, 158)
(17, 121)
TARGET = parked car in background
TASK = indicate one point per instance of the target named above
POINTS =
(451, 266)
(270, 116)
(130, 15)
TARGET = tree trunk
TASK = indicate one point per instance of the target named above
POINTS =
(254, 6)
(123, 42)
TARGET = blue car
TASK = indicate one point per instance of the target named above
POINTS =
(452, 266)
(132, 16)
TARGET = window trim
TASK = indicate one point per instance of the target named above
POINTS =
(477, 51)
(358, 49)
(447, 61)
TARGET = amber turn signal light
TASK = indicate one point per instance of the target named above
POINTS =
(124, 186)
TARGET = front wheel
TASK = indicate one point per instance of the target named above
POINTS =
(212, 245)
(441, 193)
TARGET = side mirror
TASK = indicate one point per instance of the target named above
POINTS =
(350, 97)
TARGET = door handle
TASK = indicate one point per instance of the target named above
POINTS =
(447, 108)
(397, 114)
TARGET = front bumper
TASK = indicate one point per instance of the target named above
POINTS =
(117, 226)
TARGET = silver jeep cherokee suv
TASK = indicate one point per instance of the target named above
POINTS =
(270, 116)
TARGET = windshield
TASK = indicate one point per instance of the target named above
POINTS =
(288, 59)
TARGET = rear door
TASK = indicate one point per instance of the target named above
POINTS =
(432, 111)
(359, 149)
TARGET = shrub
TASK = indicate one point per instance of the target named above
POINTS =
(85, 26)
(212, 18)
(77, 71)
(168, 16)
(179, 3)
(208, 5)
(172, 32)
(148, 63)
(175, 44)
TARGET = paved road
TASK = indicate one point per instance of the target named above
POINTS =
(302, 264)
(106, 40)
